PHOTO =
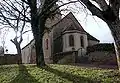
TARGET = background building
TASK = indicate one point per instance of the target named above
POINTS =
(66, 40)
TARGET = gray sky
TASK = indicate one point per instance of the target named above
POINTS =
(97, 28)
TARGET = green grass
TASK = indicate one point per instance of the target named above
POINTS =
(56, 74)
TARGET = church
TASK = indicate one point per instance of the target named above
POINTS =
(64, 43)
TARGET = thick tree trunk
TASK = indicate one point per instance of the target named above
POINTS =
(38, 29)
(37, 25)
(115, 30)
(39, 51)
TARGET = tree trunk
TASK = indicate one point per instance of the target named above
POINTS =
(19, 53)
(37, 24)
(39, 51)
(17, 44)
(115, 30)
(38, 44)
(117, 50)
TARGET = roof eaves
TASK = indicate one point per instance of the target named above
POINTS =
(90, 37)
(28, 44)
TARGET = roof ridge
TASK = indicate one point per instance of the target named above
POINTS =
(62, 19)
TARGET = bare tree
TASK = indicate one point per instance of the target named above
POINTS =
(3, 35)
(108, 11)
(13, 15)
(40, 11)
(1, 51)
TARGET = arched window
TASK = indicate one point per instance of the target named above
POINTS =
(82, 41)
(46, 44)
(71, 40)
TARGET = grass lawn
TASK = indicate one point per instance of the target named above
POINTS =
(56, 74)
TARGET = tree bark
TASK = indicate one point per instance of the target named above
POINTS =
(19, 53)
(38, 35)
(38, 25)
(115, 30)
(17, 45)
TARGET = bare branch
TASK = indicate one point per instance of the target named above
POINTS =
(94, 10)
(25, 1)
(6, 19)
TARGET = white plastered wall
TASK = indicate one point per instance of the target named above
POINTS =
(26, 53)
(77, 43)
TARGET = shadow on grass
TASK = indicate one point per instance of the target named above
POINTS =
(24, 76)
(70, 77)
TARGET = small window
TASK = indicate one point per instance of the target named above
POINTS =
(46, 44)
(82, 41)
(71, 40)
(33, 46)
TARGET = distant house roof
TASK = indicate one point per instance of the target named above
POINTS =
(90, 37)
(101, 47)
